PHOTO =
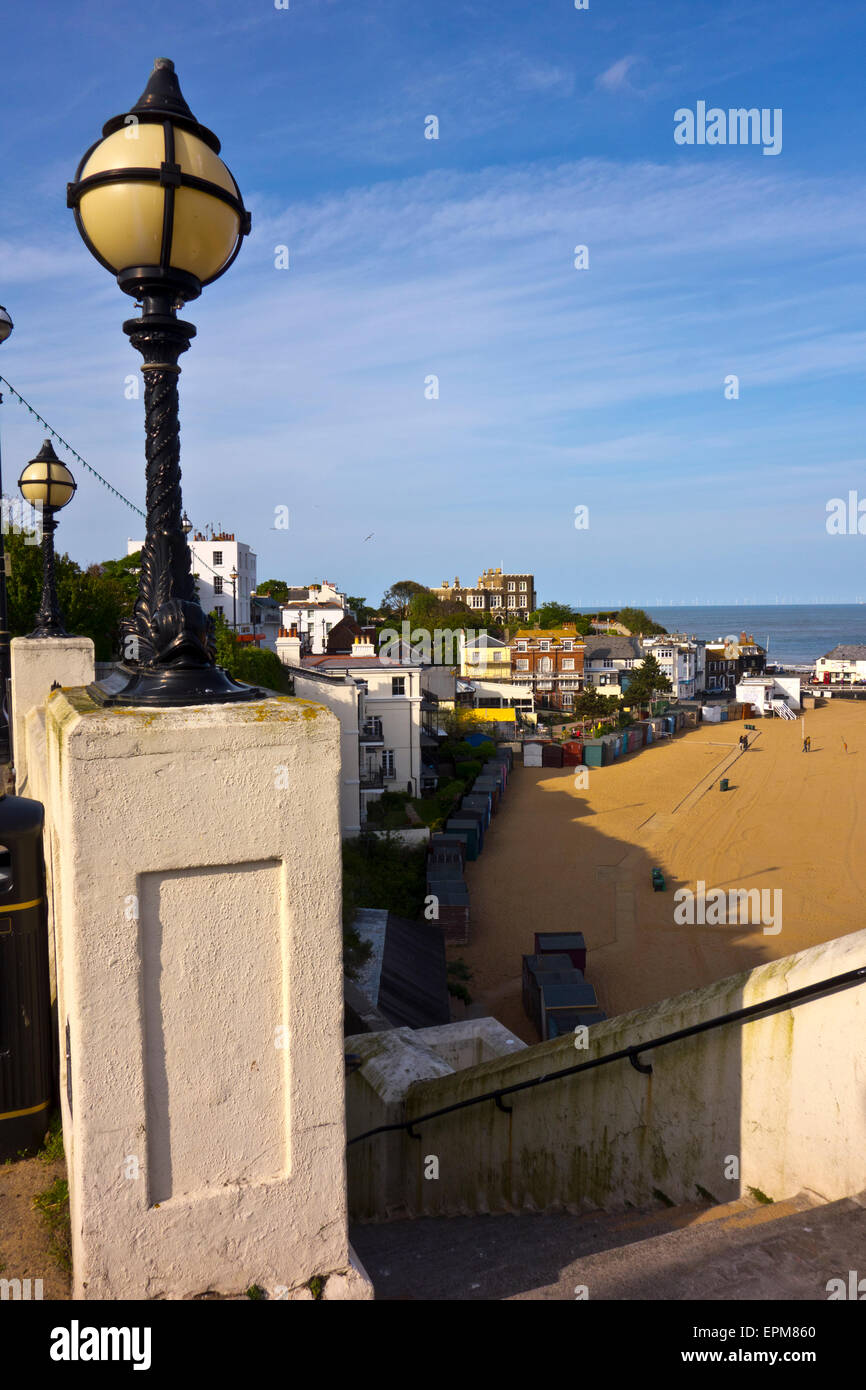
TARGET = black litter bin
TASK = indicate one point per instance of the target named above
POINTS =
(25, 1002)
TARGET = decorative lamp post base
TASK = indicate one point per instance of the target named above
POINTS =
(171, 686)
(49, 630)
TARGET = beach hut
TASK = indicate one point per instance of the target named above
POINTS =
(572, 752)
(478, 801)
(551, 755)
(711, 714)
(592, 752)
(571, 943)
(453, 909)
(498, 771)
(532, 752)
(534, 969)
(443, 844)
(468, 829)
(491, 785)
(560, 997)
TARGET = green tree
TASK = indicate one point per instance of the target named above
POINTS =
(246, 663)
(277, 588)
(396, 600)
(359, 607)
(646, 681)
(558, 615)
(639, 623)
(591, 703)
(92, 601)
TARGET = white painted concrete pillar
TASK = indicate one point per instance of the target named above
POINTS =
(197, 882)
(37, 662)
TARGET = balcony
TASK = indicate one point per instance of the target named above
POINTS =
(375, 778)
(371, 731)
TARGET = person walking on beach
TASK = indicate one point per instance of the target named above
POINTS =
(844, 745)
(805, 745)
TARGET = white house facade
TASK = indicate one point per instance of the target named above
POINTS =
(682, 659)
(844, 665)
(314, 610)
(387, 717)
(213, 560)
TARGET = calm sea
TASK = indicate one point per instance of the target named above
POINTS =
(797, 633)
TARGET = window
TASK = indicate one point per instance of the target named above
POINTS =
(218, 608)
(398, 685)
(522, 665)
(544, 645)
(568, 663)
(511, 584)
(545, 664)
(523, 587)
(567, 699)
(388, 769)
(629, 663)
(607, 663)
(521, 646)
(566, 644)
(217, 557)
(476, 601)
(217, 583)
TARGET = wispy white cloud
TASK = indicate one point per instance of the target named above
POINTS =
(615, 78)
(557, 386)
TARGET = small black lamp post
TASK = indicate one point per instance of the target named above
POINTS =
(157, 207)
(47, 483)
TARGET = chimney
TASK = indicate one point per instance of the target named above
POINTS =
(289, 646)
(362, 647)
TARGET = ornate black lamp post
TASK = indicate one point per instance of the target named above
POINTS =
(157, 207)
(6, 326)
(47, 483)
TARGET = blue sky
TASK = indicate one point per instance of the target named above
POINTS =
(558, 387)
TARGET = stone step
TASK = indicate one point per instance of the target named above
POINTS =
(786, 1250)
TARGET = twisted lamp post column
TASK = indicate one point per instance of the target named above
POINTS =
(157, 207)
(49, 622)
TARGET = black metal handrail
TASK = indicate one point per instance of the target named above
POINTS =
(779, 1004)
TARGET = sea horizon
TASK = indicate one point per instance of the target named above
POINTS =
(792, 632)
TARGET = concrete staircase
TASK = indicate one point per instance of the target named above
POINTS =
(746, 1249)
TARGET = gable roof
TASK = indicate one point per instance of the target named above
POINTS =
(609, 648)
(847, 651)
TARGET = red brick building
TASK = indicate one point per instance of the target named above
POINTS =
(549, 662)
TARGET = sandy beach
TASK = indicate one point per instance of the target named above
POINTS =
(558, 858)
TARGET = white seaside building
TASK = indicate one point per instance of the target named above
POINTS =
(682, 659)
(387, 715)
(314, 610)
(213, 559)
(844, 665)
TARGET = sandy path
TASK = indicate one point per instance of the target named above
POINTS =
(560, 859)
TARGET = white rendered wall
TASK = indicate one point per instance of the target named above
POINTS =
(196, 879)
